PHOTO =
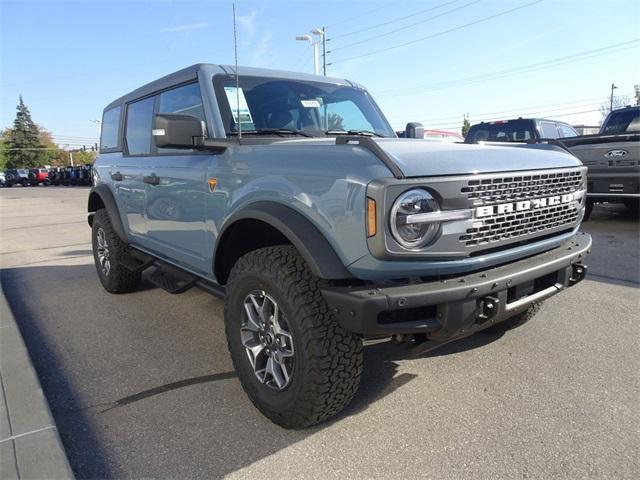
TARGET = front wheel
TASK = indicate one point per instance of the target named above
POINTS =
(294, 360)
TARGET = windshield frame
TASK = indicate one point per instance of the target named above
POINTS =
(220, 81)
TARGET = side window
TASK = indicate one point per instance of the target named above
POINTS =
(567, 131)
(549, 130)
(139, 118)
(185, 100)
(109, 129)
(346, 113)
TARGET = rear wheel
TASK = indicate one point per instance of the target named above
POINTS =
(515, 321)
(24, 182)
(108, 253)
(295, 362)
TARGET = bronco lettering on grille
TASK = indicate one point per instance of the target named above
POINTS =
(523, 205)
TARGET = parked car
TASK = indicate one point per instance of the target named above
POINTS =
(519, 130)
(2, 179)
(613, 159)
(290, 196)
(38, 176)
(442, 136)
(19, 176)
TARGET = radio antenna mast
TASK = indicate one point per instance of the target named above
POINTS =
(235, 48)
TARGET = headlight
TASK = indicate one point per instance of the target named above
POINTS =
(407, 232)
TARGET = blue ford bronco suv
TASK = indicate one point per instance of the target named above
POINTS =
(290, 196)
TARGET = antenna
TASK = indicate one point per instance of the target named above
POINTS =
(235, 48)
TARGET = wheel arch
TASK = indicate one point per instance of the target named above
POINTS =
(263, 224)
(101, 196)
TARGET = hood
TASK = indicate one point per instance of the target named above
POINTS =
(419, 158)
(422, 158)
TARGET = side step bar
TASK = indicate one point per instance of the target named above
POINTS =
(168, 277)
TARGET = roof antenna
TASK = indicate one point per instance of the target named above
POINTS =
(235, 47)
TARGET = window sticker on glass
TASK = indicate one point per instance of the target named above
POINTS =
(310, 103)
(233, 95)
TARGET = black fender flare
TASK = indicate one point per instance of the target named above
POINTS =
(101, 196)
(303, 235)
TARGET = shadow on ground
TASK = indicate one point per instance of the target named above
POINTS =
(121, 378)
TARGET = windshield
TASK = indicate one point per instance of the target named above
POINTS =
(510, 131)
(280, 106)
(623, 121)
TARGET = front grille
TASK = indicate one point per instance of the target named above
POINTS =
(490, 191)
(506, 189)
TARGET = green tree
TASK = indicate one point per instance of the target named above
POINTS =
(22, 141)
(466, 125)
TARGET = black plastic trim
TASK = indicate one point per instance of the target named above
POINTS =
(308, 240)
(371, 145)
(106, 196)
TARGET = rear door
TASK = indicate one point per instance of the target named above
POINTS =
(176, 190)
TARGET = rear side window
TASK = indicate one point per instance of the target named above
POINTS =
(109, 129)
(549, 130)
(566, 131)
(139, 118)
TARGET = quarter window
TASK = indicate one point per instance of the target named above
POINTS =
(139, 119)
(567, 131)
(109, 129)
(549, 130)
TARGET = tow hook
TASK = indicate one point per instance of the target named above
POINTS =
(578, 272)
(488, 308)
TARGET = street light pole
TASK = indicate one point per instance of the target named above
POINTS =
(613, 87)
(314, 44)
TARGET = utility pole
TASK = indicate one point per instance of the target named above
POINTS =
(613, 87)
(71, 157)
(324, 51)
(314, 44)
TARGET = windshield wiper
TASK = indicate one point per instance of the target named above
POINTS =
(362, 133)
(274, 131)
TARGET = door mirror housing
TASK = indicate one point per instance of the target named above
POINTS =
(414, 130)
(172, 130)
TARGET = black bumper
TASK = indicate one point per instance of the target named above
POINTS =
(455, 307)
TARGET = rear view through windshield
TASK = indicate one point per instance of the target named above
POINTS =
(623, 121)
(512, 131)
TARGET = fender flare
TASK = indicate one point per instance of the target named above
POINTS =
(101, 196)
(300, 231)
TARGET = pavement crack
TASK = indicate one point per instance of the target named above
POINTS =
(168, 387)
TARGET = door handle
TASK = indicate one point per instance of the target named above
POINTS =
(116, 177)
(152, 179)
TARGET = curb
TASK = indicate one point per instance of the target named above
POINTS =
(30, 446)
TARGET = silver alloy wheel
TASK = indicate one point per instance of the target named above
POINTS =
(103, 252)
(267, 340)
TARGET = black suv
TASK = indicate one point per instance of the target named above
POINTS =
(519, 130)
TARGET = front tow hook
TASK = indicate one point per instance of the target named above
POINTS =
(488, 308)
(578, 272)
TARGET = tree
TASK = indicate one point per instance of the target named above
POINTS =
(22, 141)
(618, 102)
(466, 125)
(335, 122)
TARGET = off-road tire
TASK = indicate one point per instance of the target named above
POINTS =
(515, 321)
(328, 358)
(119, 279)
(24, 182)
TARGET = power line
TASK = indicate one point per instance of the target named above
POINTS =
(391, 32)
(357, 17)
(513, 71)
(520, 111)
(372, 27)
(459, 27)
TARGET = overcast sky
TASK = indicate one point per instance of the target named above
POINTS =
(429, 61)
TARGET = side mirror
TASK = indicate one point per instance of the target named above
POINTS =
(414, 130)
(172, 130)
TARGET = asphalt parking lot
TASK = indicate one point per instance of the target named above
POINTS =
(141, 385)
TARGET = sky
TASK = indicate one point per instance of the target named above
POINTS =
(429, 61)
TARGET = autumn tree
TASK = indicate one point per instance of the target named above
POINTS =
(466, 125)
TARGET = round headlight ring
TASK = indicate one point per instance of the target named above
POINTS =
(417, 235)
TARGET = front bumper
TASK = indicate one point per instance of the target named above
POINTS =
(446, 309)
